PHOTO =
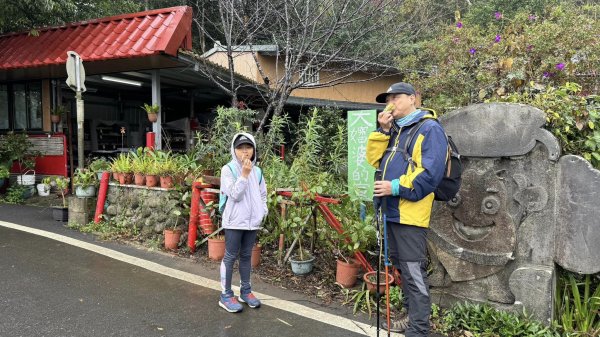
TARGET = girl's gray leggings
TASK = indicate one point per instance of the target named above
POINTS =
(237, 243)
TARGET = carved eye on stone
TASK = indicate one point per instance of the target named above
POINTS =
(490, 205)
(455, 201)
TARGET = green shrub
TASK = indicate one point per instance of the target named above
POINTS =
(572, 117)
(485, 321)
(577, 308)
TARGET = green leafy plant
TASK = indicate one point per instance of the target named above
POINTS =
(99, 165)
(122, 163)
(4, 172)
(62, 188)
(572, 117)
(213, 144)
(14, 194)
(357, 235)
(166, 163)
(17, 147)
(578, 305)
(361, 300)
(150, 109)
(58, 110)
(484, 320)
(85, 178)
(140, 160)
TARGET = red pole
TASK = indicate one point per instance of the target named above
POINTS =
(193, 225)
(282, 148)
(150, 139)
(102, 195)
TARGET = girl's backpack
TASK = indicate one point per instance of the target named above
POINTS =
(223, 196)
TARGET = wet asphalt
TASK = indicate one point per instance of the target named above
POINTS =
(49, 288)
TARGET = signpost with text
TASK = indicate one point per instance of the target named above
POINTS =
(360, 173)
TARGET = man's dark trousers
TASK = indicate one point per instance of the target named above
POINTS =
(408, 253)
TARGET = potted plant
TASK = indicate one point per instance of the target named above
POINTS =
(173, 233)
(99, 166)
(139, 166)
(302, 262)
(62, 188)
(216, 247)
(152, 111)
(85, 181)
(43, 187)
(357, 235)
(56, 113)
(122, 166)
(167, 167)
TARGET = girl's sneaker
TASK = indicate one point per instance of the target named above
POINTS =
(249, 299)
(230, 304)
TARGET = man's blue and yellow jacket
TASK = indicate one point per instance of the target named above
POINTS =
(412, 185)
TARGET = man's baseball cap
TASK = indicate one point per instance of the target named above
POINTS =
(242, 140)
(396, 88)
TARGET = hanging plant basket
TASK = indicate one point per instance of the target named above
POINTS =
(152, 118)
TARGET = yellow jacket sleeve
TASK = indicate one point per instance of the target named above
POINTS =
(376, 145)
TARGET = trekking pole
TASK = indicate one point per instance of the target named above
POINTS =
(377, 204)
(387, 264)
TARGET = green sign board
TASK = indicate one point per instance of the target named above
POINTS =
(360, 173)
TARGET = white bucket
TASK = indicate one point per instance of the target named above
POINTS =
(43, 190)
(26, 179)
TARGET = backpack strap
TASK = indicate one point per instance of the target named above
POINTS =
(409, 139)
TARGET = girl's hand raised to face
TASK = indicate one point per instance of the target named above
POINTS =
(246, 167)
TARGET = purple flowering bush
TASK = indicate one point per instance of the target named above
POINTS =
(477, 62)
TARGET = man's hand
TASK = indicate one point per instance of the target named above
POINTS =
(385, 119)
(382, 188)
(246, 167)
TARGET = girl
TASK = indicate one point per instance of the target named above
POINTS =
(244, 211)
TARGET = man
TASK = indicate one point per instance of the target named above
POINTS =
(408, 182)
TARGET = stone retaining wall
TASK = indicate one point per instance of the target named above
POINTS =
(147, 209)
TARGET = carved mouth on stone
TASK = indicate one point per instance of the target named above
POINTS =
(471, 233)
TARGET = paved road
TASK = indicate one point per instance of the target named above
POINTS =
(50, 288)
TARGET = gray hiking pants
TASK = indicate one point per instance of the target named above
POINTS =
(408, 253)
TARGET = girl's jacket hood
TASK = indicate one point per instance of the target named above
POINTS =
(233, 156)
(246, 197)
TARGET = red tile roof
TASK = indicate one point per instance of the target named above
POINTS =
(159, 31)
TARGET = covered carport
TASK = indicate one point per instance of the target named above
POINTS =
(129, 60)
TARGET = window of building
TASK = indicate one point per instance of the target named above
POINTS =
(21, 106)
(311, 76)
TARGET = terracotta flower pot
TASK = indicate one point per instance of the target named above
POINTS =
(370, 279)
(115, 176)
(346, 273)
(172, 238)
(216, 249)
(152, 118)
(255, 260)
(151, 181)
(166, 182)
(128, 178)
(139, 179)
(55, 119)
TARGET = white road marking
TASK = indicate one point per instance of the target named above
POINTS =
(267, 300)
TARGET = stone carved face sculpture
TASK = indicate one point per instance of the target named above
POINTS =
(479, 220)
(522, 209)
